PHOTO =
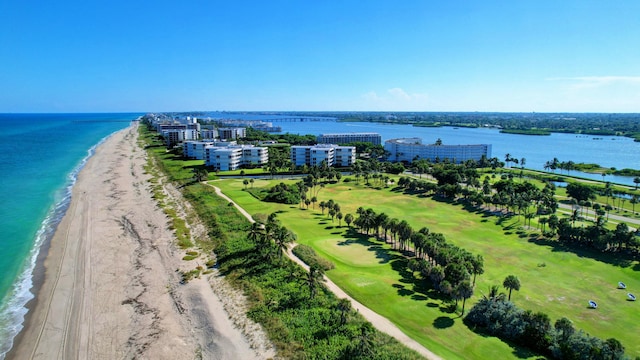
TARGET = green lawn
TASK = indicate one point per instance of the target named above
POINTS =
(556, 282)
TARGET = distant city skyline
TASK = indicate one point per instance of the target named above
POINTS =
(285, 55)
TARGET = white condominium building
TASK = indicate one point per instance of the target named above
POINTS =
(232, 133)
(232, 157)
(314, 155)
(344, 156)
(346, 138)
(175, 136)
(410, 149)
(194, 149)
(209, 134)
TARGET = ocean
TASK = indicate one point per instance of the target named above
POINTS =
(40, 157)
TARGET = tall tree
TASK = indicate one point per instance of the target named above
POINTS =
(314, 280)
(200, 174)
(463, 291)
(348, 219)
(344, 306)
(511, 282)
(282, 237)
(478, 267)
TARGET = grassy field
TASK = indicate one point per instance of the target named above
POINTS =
(554, 281)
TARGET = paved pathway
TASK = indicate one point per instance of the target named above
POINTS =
(379, 322)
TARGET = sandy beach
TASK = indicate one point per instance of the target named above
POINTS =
(111, 287)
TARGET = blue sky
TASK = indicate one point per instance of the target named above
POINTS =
(107, 56)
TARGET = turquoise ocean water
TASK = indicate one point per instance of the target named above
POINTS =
(40, 156)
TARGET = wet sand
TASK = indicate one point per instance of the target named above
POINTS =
(111, 286)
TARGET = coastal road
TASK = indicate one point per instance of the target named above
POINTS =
(379, 322)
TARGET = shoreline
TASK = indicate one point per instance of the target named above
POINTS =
(109, 285)
(33, 272)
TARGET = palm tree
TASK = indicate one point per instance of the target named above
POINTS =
(348, 219)
(245, 182)
(511, 282)
(495, 294)
(362, 346)
(200, 174)
(463, 291)
(315, 278)
(251, 181)
(344, 306)
(636, 180)
(478, 267)
(256, 232)
(282, 237)
(380, 220)
(322, 205)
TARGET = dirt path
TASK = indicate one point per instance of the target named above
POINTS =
(379, 322)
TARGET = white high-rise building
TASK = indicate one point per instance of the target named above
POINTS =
(314, 155)
(410, 149)
(346, 138)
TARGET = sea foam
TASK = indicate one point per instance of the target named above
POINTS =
(13, 308)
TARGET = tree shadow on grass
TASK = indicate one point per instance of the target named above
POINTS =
(419, 297)
(402, 290)
(618, 259)
(384, 255)
(443, 322)
(518, 351)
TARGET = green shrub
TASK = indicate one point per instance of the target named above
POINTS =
(311, 258)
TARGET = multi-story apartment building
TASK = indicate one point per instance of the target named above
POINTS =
(232, 133)
(176, 136)
(346, 138)
(209, 134)
(409, 149)
(314, 155)
(194, 149)
(344, 156)
(223, 158)
(233, 156)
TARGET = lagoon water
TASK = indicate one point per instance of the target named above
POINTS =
(40, 156)
(609, 151)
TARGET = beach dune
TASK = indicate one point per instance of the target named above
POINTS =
(111, 288)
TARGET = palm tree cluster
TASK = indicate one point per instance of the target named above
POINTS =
(319, 174)
(271, 238)
(522, 198)
(334, 210)
(598, 237)
(446, 266)
(373, 170)
(495, 315)
(562, 165)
